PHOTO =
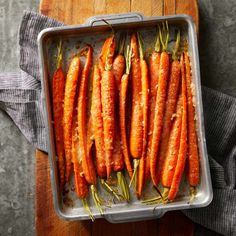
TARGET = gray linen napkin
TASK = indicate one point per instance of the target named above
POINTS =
(20, 97)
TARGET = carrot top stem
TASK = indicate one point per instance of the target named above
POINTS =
(176, 47)
(121, 44)
(112, 29)
(134, 176)
(96, 199)
(164, 35)
(59, 54)
(157, 47)
(123, 185)
(128, 59)
(109, 189)
(140, 42)
(86, 207)
(192, 191)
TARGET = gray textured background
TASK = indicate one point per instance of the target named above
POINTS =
(217, 46)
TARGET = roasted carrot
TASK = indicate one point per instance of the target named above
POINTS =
(108, 106)
(183, 139)
(136, 127)
(171, 101)
(96, 112)
(144, 81)
(160, 105)
(173, 147)
(122, 110)
(154, 64)
(193, 158)
(58, 87)
(69, 99)
(118, 67)
(81, 185)
(87, 163)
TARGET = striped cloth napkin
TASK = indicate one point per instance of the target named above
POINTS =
(20, 97)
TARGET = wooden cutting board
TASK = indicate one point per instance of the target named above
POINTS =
(46, 221)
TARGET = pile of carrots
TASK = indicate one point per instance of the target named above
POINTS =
(140, 118)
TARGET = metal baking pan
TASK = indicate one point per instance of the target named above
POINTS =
(94, 31)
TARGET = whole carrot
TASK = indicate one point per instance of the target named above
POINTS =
(173, 147)
(144, 81)
(160, 105)
(81, 186)
(193, 158)
(87, 163)
(136, 127)
(154, 64)
(122, 111)
(108, 107)
(183, 139)
(96, 114)
(171, 101)
(83, 150)
(58, 87)
(69, 99)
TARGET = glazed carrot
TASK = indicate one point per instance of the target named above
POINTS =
(183, 140)
(87, 163)
(58, 87)
(136, 127)
(69, 99)
(108, 111)
(118, 67)
(154, 64)
(193, 158)
(173, 147)
(96, 112)
(160, 107)
(122, 110)
(81, 186)
(171, 101)
(144, 81)
(108, 106)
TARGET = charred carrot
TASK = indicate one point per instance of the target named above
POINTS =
(136, 127)
(193, 158)
(108, 106)
(144, 81)
(160, 105)
(87, 163)
(122, 110)
(118, 67)
(154, 64)
(96, 112)
(183, 139)
(69, 100)
(58, 87)
(171, 101)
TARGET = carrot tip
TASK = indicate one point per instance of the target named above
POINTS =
(96, 199)
(86, 207)
(123, 186)
(109, 189)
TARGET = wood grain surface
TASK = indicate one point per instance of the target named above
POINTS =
(46, 221)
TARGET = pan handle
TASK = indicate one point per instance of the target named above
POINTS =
(114, 18)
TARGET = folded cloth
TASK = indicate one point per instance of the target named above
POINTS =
(20, 97)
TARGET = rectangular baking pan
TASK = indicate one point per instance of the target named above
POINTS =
(94, 31)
